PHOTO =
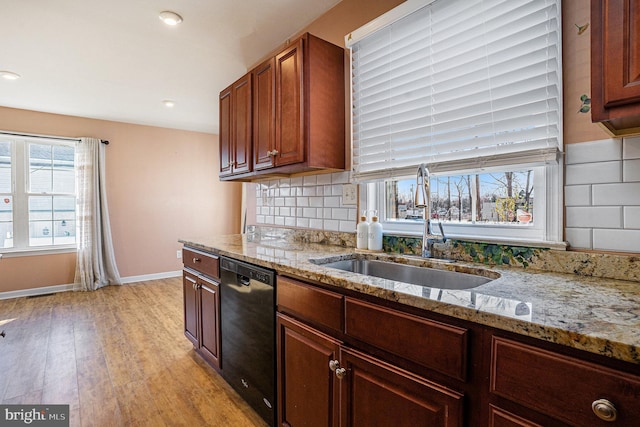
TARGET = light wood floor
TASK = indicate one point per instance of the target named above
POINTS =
(117, 356)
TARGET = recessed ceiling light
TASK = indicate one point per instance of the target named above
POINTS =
(169, 103)
(9, 75)
(170, 18)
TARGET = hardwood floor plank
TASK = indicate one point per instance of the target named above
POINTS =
(117, 356)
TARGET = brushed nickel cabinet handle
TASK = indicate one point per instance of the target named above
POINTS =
(196, 260)
(605, 410)
(333, 365)
(340, 373)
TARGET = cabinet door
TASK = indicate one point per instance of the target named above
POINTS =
(264, 133)
(210, 321)
(226, 148)
(377, 394)
(501, 418)
(190, 301)
(307, 389)
(241, 122)
(290, 126)
(621, 51)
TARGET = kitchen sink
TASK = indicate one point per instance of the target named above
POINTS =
(423, 276)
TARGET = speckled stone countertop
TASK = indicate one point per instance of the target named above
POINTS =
(588, 313)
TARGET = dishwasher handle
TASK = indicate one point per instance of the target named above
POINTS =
(243, 280)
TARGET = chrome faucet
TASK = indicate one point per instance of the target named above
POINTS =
(423, 200)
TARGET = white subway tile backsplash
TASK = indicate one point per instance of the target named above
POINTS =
(331, 224)
(632, 217)
(332, 202)
(631, 170)
(579, 238)
(577, 195)
(594, 151)
(616, 240)
(316, 202)
(594, 217)
(631, 147)
(340, 213)
(616, 194)
(306, 202)
(324, 179)
(347, 226)
(340, 178)
(309, 212)
(316, 223)
(592, 173)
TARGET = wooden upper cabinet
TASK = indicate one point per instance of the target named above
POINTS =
(290, 136)
(242, 124)
(225, 132)
(297, 112)
(615, 65)
(264, 131)
(235, 128)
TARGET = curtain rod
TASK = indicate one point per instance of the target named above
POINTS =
(105, 142)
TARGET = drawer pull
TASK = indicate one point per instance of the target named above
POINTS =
(196, 260)
(333, 365)
(604, 410)
(340, 373)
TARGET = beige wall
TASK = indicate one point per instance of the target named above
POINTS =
(162, 184)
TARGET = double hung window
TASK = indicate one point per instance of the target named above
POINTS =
(471, 88)
(37, 194)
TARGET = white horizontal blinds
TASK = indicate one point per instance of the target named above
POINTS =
(463, 83)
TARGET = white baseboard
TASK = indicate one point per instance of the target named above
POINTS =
(154, 276)
(35, 291)
(69, 287)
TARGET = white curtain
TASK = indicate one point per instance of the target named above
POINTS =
(95, 265)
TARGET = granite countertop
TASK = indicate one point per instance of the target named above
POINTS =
(594, 314)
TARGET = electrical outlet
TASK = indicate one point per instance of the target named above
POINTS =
(349, 194)
(178, 254)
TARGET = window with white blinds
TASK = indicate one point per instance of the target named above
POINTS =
(457, 84)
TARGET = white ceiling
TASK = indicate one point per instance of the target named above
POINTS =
(115, 59)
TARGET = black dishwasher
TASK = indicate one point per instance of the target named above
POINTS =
(247, 305)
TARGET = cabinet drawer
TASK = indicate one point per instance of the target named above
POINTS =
(432, 344)
(561, 387)
(315, 305)
(203, 262)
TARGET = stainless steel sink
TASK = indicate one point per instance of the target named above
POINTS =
(423, 276)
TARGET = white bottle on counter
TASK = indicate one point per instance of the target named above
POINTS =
(375, 235)
(362, 231)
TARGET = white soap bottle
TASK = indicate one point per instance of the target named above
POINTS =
(375, 235)
(362, 231)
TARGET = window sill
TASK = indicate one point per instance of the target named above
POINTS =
(15, 253)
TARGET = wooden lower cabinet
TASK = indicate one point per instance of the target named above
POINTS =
(202, 315)
(307, 390)
(378, 394)
(322, 382)
(560, 389)
(500, 418)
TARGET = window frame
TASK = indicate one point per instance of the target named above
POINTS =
(20, 192)
(546, 230)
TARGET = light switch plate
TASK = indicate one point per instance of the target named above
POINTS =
(349, 194)
(178, 254)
